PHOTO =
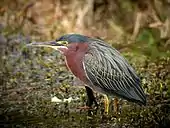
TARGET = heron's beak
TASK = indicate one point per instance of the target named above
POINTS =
(50, 44)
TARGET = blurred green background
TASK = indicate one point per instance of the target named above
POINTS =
(30, 77)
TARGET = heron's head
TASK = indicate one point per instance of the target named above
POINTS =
(64, 43)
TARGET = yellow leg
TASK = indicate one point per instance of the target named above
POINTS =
(116, 105)
(106, 104)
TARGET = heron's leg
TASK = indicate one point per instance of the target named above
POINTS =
(106, 104)
(116, 105)
(90, 97)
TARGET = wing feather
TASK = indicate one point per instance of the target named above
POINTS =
(110, 73)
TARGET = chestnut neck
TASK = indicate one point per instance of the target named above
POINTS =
(74, 59)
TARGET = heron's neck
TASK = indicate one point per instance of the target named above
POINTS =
(74, 60)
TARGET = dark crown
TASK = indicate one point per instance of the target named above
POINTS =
(73, 38)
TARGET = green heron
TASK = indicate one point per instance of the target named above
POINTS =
(100, 66)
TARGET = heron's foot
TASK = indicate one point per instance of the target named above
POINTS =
(92, 103)
(85, 108)
(116, 106)
(106, 105)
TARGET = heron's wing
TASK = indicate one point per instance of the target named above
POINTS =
(109, 71)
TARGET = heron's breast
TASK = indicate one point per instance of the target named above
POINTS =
(75, 65)
(74, 61)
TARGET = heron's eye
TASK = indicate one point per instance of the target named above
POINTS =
(65, 43)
